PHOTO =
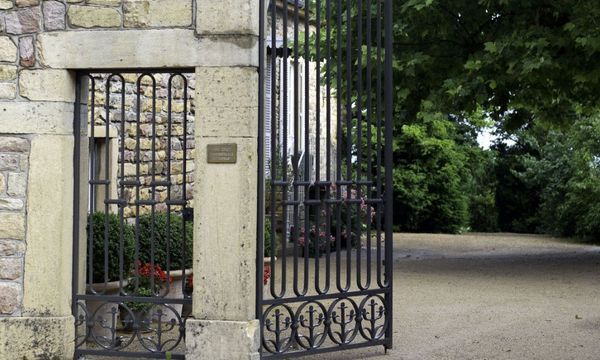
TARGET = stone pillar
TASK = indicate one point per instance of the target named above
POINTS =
(224, 324)
(41, 325)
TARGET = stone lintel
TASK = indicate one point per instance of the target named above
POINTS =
(144, 48)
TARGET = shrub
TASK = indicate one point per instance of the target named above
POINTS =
(268, 247)
(176, 243)
(114, 245)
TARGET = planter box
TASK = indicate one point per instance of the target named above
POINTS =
(175, 291)
(103, 312)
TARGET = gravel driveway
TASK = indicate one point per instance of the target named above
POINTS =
(492, 296)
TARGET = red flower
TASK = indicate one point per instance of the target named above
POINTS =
(266, 274)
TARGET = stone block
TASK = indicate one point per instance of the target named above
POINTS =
(153, 48)
(36, 117)
(157, 13)
(8, 72)
(10, 204)
(25, 3)
(90, 17)
(10, 300)
(13, 144)
(2, 183)
(49, 227)
(227, 86)
(17, 184)
(23, 21)
(54, 15)
(12, 226)
(49, 85)
(102, 2)
(9, 162)
(37, 338)
(8, 49)
(26, 51)
(231, 228)
(8, 91)
(11, 268)
(227, 17)
(222, 340)
(6, 4)
(11, 247)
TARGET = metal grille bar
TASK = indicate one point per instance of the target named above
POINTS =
(131, 272)
(325, 186)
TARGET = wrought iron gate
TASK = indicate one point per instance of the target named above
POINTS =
(132, 218)
(325, 185)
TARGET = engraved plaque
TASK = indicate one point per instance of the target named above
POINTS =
(222, 153)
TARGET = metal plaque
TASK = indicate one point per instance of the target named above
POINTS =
(222, 153)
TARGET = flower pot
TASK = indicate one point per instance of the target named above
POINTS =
(175, 291)
(104, 314)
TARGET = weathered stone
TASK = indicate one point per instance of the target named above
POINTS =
(8, 90)
(52, 85)
(12, 226)
(11, 268)
(26, 51)
(6, 4)
(222, 340)
(11, 204)
(105, 2)
(23, 21)
(37, 337)
(9, 162)
(8, 72)
(13, 144)
(2, 183)
(227, 17)
(24, 3)
(10, 297)
(8, 49)
(54, 15)
(17, 184)
(112, 48)
(11, 247)
(90, 17)
(157, 13)
(35, 117)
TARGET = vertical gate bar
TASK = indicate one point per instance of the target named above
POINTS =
(153, 186)
(317, 184)
(379, 115)
(273, 155)
(306, 178)
(122, 189)
(92, 191)
(168, 174)
(369, 174)
(359, 124)
(284, 160)
(76, 192)
(389, 128)
(327, 142)
(296, 157)
(106, 178)
(260, 227)
(349, 142)
(138, 160)
(338, 210)
(184, 254)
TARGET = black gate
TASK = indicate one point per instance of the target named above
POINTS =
(324, 276)
(133, 237)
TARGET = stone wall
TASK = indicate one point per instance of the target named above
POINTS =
(14, 157)
(181, 134)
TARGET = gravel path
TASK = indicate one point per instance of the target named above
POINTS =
(492, 296)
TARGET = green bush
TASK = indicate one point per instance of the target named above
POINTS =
(176, 244)
(114, 245)
(268, 248)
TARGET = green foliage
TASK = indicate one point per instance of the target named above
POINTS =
(268, 247)
(98, 220)
(180, 250)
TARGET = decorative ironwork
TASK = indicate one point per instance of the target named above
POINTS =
(131, 274)
(325, 185)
